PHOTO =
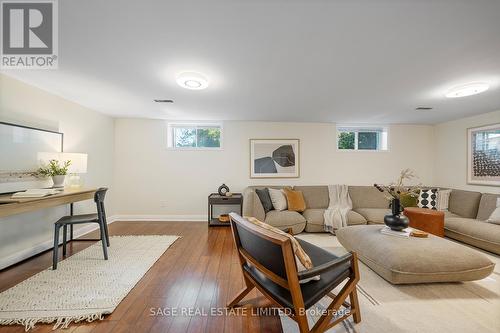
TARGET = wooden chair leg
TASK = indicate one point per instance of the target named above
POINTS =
(353, 298)
(55, 252)
(302, 322)
(240, 296)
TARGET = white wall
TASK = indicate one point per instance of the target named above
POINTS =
(451, 152)
(84, 131)
(152, 180)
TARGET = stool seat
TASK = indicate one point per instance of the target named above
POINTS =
(84, 218)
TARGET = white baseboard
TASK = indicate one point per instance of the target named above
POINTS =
(159, 218)
(39, 248)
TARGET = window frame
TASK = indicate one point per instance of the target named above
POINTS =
(359, 128)
(171, 126)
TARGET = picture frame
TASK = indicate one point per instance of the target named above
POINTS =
(483, 155)
(274, 158)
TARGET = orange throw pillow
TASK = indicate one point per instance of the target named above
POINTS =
(295, 200)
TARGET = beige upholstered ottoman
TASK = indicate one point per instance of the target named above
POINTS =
(414, 260)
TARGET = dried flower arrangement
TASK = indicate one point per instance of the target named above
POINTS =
(398, 189)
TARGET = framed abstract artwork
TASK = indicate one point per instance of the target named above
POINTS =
(274, 158)
(483, 155)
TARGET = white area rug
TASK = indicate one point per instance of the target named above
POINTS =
(440, 307)
(84, 286)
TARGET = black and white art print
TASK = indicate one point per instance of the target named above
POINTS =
(483, 155)
(274, 158)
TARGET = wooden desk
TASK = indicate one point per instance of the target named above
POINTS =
(9, 206)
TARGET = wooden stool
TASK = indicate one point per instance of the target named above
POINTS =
(431, 221)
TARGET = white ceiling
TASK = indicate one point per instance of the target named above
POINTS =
(277, 60)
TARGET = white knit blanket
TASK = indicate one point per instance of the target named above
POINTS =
(340, 204)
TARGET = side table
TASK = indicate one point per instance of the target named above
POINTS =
(428, 220)
(216, 199)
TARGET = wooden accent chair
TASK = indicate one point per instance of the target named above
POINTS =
(268, 264)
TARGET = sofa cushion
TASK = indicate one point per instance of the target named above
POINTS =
(295, 200)
(315, 196)
(464, 203)
(367, 197)
(286, 219)
(315, 219)
(414, 260)
(373, 215)
(265, 199)
(474, 232)
(278, 199)
(487, 205)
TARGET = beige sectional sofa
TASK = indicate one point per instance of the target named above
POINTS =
(465, 220)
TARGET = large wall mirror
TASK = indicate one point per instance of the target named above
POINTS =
(19, 146)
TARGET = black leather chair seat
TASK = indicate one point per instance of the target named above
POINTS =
(85, 218)
(312, 291)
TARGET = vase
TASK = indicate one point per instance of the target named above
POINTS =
(396, 221)
(58, 180)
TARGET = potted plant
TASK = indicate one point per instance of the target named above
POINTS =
(56, 171)
(395, 192)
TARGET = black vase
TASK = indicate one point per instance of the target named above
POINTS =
(396, 221)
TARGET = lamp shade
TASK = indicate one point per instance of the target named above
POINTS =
(78, 160)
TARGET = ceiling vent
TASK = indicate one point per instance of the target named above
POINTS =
(423, 108)
(163, 101)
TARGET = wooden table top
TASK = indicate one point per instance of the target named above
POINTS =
(10, 206)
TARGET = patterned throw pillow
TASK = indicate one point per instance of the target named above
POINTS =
(428, 198)
(301, 258)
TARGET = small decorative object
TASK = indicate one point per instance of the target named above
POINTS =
(56, 171)
(483, 155)
(223, 189)
(229, 194)
(224, 218)
(274, 158)
(419, 234)
(393, 192)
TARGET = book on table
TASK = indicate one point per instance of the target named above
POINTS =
(403, 233)
(36, 193)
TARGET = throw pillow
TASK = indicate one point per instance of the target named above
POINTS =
(443, 199)
(495, 216)
(278, 199)
(295, 200)
(428, 198)
(301, 258)
(265, 199)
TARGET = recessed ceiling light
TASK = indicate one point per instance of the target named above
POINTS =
(468, 89)
(192, 80)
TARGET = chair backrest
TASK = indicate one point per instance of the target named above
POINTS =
(269, 252)
(99, 196)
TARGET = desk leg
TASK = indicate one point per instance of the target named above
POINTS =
(71, 226)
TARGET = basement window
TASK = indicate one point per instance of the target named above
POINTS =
(362, 138)
(194, 136)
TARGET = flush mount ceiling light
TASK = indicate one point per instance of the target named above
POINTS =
(468, 89)
(192, 80)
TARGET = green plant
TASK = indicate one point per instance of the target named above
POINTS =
(54, 169)
(346, 140)
(399, 190)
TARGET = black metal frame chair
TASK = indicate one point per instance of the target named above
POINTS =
(268, 264)
(99, 218)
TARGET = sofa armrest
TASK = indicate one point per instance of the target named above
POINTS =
(252, 205)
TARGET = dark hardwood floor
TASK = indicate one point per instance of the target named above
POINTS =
(199, 271)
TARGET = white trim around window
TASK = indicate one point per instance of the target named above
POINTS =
(173, 127)
(382, 137)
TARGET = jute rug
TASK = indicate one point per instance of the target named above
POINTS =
(84, 287)
(444, 307)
